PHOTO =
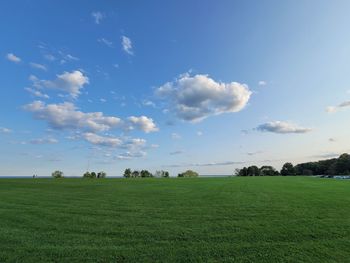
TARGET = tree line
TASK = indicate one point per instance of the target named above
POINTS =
(334, 166)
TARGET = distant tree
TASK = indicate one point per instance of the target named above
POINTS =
(145, 173)
(288, 169)
(161, 173)
(253, 171)
(101, 174)
(188, 173)
(57, 174)
(87, 175)
(135, 174)
(127, 173)
(237, 172)
(93, 175)
(267, 170)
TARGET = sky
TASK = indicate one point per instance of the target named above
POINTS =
(172, 85)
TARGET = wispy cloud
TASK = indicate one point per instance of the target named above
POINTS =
(97, 16)
(105, 42)
(127, 45)
(262, 83)
(13, 58)
(176, 152)
(343, 105)
(282, 127)
(38, 66)
(5, 130)
(43, 141)
(204, 164)
(37, 93)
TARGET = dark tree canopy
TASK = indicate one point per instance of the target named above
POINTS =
(335, 166)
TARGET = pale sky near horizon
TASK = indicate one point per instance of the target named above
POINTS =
(173, 85)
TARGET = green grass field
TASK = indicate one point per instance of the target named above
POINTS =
(261, 219)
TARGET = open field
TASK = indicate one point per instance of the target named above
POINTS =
(260, 219)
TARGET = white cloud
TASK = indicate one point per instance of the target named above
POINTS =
(175, 136)
(262, 83)
(98, 16)
(127, 45)
(37, 93)
(332, 109)
(204, 164)
(142, 123)
(66, 116)
(282, 127)
(38, 66)
(43, 141)
(131, 155)
(149, 103)
(13, 58)
(101, 140)
(69, 82)
(105, 41)
(103, 100)
(195, 98)
(5, 130)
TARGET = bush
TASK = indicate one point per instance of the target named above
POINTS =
(188, 173)
(101, 174)
(57, 174)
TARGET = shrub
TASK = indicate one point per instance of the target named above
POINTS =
(57, 174)
(188, 173)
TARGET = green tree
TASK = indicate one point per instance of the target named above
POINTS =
(188, 173)
(127, 173)
(267, 170)
(101, 174)
(288, 169)
(57, 174)
(135, 174)
(93, 175)
(87, 175)
(145, 173)
(253, 171)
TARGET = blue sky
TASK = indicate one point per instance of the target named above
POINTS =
(175, 85)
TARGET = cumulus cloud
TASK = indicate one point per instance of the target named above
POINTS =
(127, 45)
(69, 82)
(67, 116)
(37, 93)
(97, 16)
(142, 123)
(13, 58)
(102, 140)
(195, 98)
(43, 141)
(5, 130)
(282, 127)
(38, 66)
(332, 109)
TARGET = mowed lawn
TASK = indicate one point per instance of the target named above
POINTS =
(261, 219)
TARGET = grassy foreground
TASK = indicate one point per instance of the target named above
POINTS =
(261, 219)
